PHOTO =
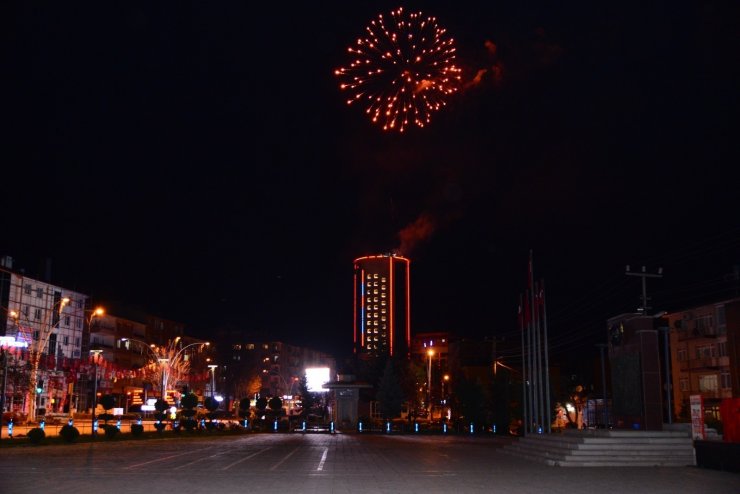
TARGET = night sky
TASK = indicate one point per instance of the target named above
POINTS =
(198, 159)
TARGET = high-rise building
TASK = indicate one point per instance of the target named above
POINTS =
(382, 306)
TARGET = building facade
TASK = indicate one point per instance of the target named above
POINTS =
(50, 322)
(382, 306)
(705, 355)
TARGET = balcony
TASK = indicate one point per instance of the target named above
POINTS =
(704, 363)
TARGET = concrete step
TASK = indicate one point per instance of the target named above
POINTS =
(608, 448)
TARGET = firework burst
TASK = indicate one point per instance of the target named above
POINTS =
(402, 70)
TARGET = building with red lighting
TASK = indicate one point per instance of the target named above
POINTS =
(382, 307)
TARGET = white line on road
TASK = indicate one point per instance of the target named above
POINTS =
(243, 459)
(198, 460)
(286, 457)
(323, 459)
(165, 458)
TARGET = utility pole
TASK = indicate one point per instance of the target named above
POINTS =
(605, 410)
(644, 275)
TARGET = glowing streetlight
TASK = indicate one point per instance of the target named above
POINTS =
(213, 379)
(169, 358)
(430, 353)
(96, 355)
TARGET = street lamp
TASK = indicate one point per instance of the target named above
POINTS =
(430, 353)
(94, 422)
(213, 379)
(169, 358)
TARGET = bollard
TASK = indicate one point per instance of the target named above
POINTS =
(274, 425)
(472, 429)
(70, 422)
(10, 429)
(388, 427)
(331, 427)
(42, 424)
(118, 424)
(444, 428)
(416, 426)
(304, 426)
(360, 426)
(95, 426)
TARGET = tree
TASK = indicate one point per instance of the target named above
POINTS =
(308, 399)
(189, 402)
(107, 402)
(276, 405)
(390, 395)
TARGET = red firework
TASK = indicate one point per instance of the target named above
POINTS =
(402, 70)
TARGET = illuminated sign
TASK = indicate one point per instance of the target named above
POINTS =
(9, 341)
(315, 379)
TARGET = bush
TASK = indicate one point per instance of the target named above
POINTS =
(160, 426)
(36, 435)
(137, 429)
(189, 424)
(110, 431)
(69, 433)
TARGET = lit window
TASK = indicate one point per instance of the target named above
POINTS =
(375, 275)
(383, 303)
(375, 299)
(250, 346)
(369, 276)
(382, 279)
(382, 294)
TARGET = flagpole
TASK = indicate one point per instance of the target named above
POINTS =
(538, 360)
(547, 360)
(532, 339)
(525, 415)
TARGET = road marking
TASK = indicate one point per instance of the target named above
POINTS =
(286, 457)
(244, 459)
(198, 460)
(323, 459)
(165, 458)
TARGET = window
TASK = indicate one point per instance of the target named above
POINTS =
(722, 349)
(39, 292)
(37, 314)
(79, 304)
(708, 382)
(26, 310)
(382, 279)
(65, 340)
(681, 354)
(375, 275)
(684, 384)
(66, 321)
(27, 289)
(36, 335)
(724, 380)
(704, 351)
(77, 342)
(250, 346)
(79, 322)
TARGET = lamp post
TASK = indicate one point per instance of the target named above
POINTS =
(94, 419)
(213, 379)
(169, 358)
(430, 354)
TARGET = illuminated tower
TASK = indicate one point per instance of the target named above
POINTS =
(382, 307)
